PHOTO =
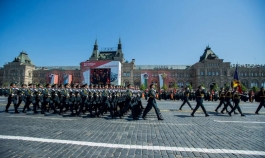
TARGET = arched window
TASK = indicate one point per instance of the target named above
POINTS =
(180, 83)
(124, 73)
(263, 83)
(128, 74)
(254, 83)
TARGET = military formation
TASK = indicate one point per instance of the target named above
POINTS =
(97, 100)
(59, 99)
(228, 97)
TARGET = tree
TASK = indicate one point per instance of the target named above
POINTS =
(5, 84)
(175, 86)
(216, 87)
(165, 87)
(244, 89)
(189, 86)
(255, 89)
(142, 87)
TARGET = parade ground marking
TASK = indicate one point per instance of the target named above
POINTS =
(238, 121)
(124, 146)
(51, 118)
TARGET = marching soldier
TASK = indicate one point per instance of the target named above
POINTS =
(222, 99)
(128, 98)
(21, 95)
(65, 97)
(47, 99)
(199, 99)
(261, 98)
(186, 98)
(12, 97)
(236, 100)
(39, 98)
(30, 98)
(152, 103)
(228, 97)
(105, 102)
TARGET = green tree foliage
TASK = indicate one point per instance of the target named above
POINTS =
(165, 87)
(255, 89)
(142, 87)
(244, 88)
(189, 86)
(5, 84)
(175, 86)
(216, 87)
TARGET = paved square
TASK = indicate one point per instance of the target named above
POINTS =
(179, 135)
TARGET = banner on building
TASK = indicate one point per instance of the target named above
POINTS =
(67, 78)
(161, 80)
(101, 72)
(144, 79)
(53, 79)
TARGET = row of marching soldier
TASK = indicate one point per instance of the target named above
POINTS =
(96, 100)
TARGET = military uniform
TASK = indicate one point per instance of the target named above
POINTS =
(261, 99)
(152, 103)
(222, 99)
(236, 100)
(12, 97)
(186, 99)
(199, 99)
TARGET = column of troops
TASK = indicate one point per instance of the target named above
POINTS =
(96, 100)
(226, 95)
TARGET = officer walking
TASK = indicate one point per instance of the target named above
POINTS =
(199, 99)
(261, 98)
(186, 98)
(152, 103)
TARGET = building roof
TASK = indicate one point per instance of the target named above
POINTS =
(208, 54)
(23, 58)
(146, 67)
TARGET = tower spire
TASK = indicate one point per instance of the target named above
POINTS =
(119, 44)
(96, 45)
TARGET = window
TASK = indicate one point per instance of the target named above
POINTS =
(209, 73)
(217, 73)
(202, 73)
(262, 74)
(124, 73)
(128, 74)
(241, 74)
(246, 74)
(213, 73)
(263, 83)
(256, 74)
(254, 83)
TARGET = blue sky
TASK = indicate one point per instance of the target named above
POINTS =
(154, 32)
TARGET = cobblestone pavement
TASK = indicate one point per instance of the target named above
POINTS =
(179, 135)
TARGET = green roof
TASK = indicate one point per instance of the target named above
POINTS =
(23, 58)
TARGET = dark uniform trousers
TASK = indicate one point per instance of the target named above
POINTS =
(236, 107)
(184, 102)
(11, 99)
(199, 104)
(152, 103)
(228, 103)
(106, 105)
(222, 101)
(262, 103)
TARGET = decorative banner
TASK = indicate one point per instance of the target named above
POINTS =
(144, 78)
(67, 78)
(101, 72)
(161, 80)
(53, 79)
